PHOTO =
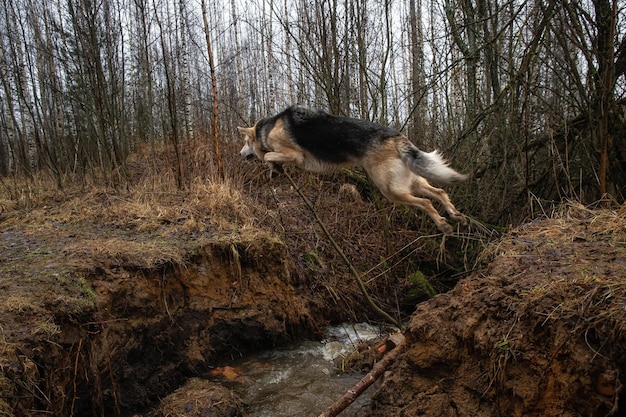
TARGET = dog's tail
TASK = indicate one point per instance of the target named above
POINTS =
(429, 165)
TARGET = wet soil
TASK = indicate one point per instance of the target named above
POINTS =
(82, 338)
(111, 302)
(540, 331)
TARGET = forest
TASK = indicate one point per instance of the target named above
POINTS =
(528, 97)
(139, 250)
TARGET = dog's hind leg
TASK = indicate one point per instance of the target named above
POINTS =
(425, 205)
(396, 181)
(422, 187)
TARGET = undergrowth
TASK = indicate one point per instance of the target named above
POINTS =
(145, 219)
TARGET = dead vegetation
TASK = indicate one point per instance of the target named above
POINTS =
(591, 296)
(96, 273)
(200, 398)
(556, 282)
(540, 330)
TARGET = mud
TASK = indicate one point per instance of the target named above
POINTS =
(541, 330)
(110, 302)
(104, 336)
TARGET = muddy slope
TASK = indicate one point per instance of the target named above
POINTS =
(109, 302)
(115, 337)
(540, 331)
(111, 299)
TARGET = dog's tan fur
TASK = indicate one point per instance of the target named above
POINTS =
(383, 163)
(401, 185)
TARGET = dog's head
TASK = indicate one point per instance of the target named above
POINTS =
(252, 147)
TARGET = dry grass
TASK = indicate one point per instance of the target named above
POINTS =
(22, 304)
(578, 260)
(148, 222)
(137, 206)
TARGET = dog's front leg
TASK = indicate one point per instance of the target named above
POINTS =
(284, 158)
(274, 160)
(274, 169)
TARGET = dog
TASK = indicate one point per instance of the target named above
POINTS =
(317, 141)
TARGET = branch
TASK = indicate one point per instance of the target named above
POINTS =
(620, 61)
(353, 393)
(343, 256)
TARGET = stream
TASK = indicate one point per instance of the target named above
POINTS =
(301, 380)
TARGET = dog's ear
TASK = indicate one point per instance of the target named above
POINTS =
(247, 131)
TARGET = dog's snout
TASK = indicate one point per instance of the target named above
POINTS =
(247, 152)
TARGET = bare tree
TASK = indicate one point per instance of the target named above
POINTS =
(170, 92)
(215, 125)
(527, 94)
(417, 104)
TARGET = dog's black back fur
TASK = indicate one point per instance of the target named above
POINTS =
(321, 142)
(332, 138)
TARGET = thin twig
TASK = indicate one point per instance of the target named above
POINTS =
(75, 395)
(343, 256)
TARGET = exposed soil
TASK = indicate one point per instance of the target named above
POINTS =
(111, 301)
(84, 334)
(541, 330)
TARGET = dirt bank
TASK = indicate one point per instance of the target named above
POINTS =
(541, 330)
(110, 302)
(112, 336)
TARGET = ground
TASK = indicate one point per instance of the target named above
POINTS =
(539, 331)
(110, 300)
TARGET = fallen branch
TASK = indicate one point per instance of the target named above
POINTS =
(353, 393)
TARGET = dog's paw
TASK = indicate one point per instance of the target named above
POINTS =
(445, 228)
(274, 169)
(459, 218)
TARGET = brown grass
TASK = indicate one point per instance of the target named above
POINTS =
(579, 256)
(148, 222)
(142, 221)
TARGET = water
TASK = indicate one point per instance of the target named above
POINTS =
(301, 381)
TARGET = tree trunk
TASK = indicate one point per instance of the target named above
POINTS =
(214, 127)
